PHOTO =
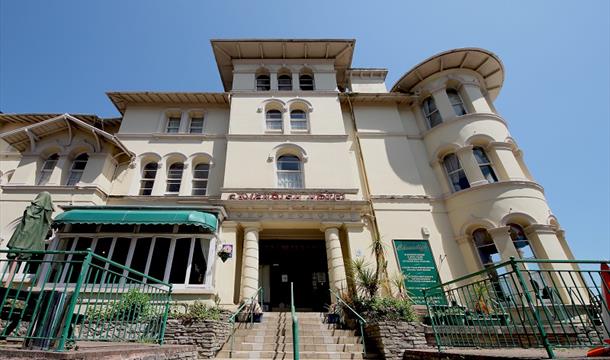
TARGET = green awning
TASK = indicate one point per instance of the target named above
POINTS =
(148, 217)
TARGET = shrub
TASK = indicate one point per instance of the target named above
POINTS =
(385, 308)
(200, 311)
(133, 305)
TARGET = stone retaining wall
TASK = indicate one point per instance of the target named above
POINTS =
(207, 335)
(392, 338)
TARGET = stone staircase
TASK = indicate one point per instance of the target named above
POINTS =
(272, 339)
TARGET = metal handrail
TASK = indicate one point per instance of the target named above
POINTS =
(239, 309)
(361, 320)
(295, 326)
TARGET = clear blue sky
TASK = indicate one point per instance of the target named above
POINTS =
(62, 56)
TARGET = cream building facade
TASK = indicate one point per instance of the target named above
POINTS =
(302, 161)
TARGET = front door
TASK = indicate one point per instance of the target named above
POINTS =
(302, 262)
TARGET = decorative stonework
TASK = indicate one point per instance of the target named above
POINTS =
(207, 335)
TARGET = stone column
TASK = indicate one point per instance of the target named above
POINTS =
(469, 255)
(334, 255)
(506, 163)
(442, 103)
(470, 166)
(504, 243)
(224, 272)
(546, 245)
(249, 269)
(473, 94)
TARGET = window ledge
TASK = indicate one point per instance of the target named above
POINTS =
(498, 184)
(200, 290)
(464, 118)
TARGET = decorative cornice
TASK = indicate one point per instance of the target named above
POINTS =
(540, 229)
(330, 225)
(130, 136)
(377, 134)
(282, 93)
(286, 137)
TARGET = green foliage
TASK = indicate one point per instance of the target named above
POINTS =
(199, 311)
(364, 278)
(385, 308)
(133, 305)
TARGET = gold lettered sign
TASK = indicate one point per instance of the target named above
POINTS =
(418, 266)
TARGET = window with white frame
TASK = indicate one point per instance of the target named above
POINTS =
(174, 178)
(180, 259)
(490, 256)
(298, 120)
(47, 169)
(196, 126)
(273, 119)
(456, 102)
(455, 173)
(433, 116)
(201, 172)
(289, 172)
(521, 242)
(306, 82)
(173, 124)
(77, 169)
(149, 172)
(484, 164)
(263, 83)
(284, 83)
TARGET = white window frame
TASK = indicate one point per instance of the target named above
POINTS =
(174, 180)
(208, 254)
(428, 115)
(488, 164)
(256, 82)
(198, 180)
(300, 172)
(145, 180)
(280, 120)
(304, 120)
(76, 172)
(170, 118)
(455, 171)
(196, 117)
(460, 103)
(47, 170)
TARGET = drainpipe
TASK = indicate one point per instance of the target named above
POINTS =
(367, 192)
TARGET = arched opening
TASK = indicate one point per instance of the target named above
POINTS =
(456, 102)
(201, 173)
(174, 178)
(77, 169)
(47, 169)
(484, 164)
(149, 173)
(263, 81)
(306, 82)
(284, 80)
(433, 116)
(273, 119)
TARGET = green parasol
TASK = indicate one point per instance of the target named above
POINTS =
(33, 228)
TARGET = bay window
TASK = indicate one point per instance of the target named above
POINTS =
(484, 164)
(433, 116)
(456, 102)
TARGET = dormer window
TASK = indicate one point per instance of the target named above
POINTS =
(173, 124)
(263, 83)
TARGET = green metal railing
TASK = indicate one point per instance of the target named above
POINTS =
(51, 299)
(252, 301)
(522, 303)
(295, 326)
(361, 321)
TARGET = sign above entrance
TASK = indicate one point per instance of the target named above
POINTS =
(321, 196)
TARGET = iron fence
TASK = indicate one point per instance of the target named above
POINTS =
(523, 303)
(51, 299)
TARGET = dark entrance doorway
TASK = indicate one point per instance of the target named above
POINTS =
(302, 262)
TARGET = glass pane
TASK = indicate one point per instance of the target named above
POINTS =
(291, 180)
(306, 82)
(284, 82)
(480, 155)
(288, 162)
(274, 125)
(198, 265)
(74, 268)
(159, 258)
(181, 254)
(119, 255)
(451, 162)
(459, 110)
(74, 178)
(140, 256)
(298, 125)
(435, 119)
(488, 173)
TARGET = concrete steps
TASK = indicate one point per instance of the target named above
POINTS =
(272, 339)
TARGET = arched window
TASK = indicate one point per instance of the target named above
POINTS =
(456, 102)
(263, 83)
(273, 119)
(289, 172)
(488, 253)
(521, 242)
(284, 82)
(484, 164)
(298, 120)
(457, 176)
(200, 179)
(174, 178)
(431, 112)
(77, 169)
(47, 169)
(306, 82)
(148, 178)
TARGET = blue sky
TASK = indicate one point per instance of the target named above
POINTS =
(62, 56)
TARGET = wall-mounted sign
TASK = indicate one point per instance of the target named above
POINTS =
(418, 266)
(323, 196)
